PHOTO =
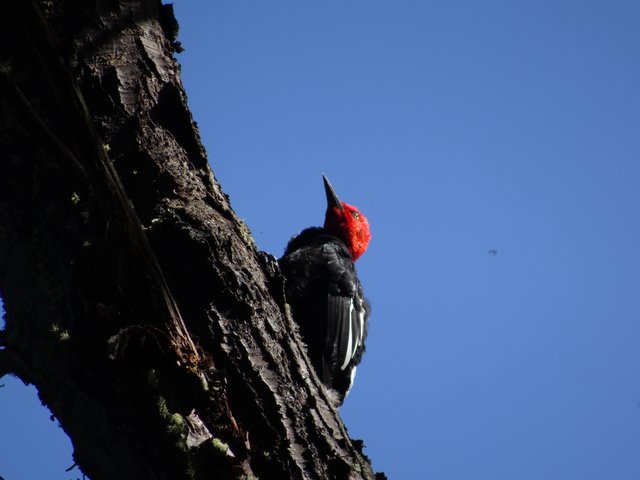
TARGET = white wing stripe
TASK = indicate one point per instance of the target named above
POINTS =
(351, 379)
(350, 349)
(361, 333)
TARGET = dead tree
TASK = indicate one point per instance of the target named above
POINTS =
(136, 301)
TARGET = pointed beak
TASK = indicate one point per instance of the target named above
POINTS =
(332, 198)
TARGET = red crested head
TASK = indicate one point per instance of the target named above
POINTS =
(346, 222)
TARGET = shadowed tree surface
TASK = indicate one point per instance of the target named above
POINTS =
(136, 301)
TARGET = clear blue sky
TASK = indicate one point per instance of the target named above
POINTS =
(457, 127)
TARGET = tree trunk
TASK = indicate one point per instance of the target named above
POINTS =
(136, 301)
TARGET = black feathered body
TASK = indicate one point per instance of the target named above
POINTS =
(328, 305)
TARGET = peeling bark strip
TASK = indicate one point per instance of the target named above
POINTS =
(136, 301)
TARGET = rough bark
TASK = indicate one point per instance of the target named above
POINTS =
(136, 301)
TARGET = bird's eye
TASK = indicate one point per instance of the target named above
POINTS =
(355, 215)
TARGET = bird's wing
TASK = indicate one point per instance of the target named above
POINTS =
(345, 315)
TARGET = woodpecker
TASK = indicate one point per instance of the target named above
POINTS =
(325, 294)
